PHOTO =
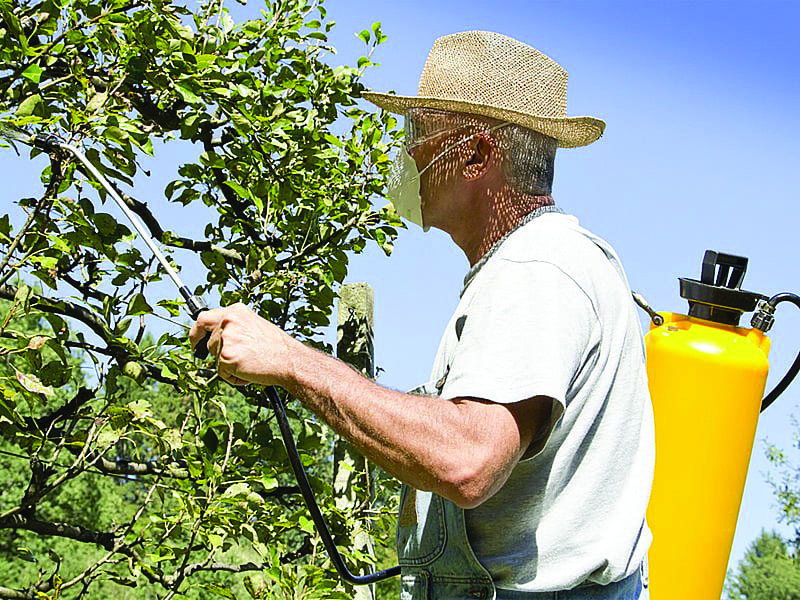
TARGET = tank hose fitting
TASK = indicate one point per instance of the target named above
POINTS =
(764, 317)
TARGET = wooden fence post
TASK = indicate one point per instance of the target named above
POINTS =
(355, 347)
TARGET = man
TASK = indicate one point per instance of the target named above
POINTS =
(528, 457)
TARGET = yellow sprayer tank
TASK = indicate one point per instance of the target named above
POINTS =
(707, 378)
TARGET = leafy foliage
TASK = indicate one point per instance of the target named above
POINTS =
(132, 465)
(767, 572)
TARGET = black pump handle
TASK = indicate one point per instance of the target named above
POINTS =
(727, 263)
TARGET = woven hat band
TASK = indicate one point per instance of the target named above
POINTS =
(493, 69)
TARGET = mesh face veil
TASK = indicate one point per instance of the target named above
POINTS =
(421, 125)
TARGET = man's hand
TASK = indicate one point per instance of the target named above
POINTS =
(249, 349)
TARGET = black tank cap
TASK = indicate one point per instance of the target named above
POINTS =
(717, 296)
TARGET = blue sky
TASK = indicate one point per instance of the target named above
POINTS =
(700, 152)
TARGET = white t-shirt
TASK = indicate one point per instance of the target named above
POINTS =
(549, 313)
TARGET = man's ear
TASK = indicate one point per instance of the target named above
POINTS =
(482, 151)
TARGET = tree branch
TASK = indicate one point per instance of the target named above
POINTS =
(239, 207)
(124, 467)
(63, 307)
(305, 549)
(9, 594)
(43, 423)
(93, 321)
(65, 530)
(228, 568)
(333, 238)
(85, 288)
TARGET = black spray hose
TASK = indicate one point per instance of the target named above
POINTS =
(311, 502)
(763, 320)
(201, 351)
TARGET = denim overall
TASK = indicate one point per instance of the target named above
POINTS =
(437, 561)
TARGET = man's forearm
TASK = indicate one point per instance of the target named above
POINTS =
(427, 442)
(463, 449)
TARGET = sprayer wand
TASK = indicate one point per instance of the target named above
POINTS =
(195, 305)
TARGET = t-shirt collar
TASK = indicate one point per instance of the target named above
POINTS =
(552, 208)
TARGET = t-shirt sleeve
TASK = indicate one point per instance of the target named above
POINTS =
(526, 334)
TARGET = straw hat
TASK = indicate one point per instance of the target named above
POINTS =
(493, 75)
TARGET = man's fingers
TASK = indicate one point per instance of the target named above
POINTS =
(215, 342)
(231, 378)
(208, 320)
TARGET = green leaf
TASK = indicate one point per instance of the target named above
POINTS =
(139, 306)
(241, 123)
(250, 588)
(187, 94)
(8, 409)
(120, 416)
(210, 440)
(126, 581)
(96, 102)
(238, 489)
(33, 72)
(23, 296)
(365, 35)
(173, 307)
(28, 106)
(140, 408)
(240, 190)
(219, 590)
(105, 223)
(25, 554)
(107, 437)
(31, 383)
(55, 374)
(204, 61)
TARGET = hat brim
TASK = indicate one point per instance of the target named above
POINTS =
(569, 132)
